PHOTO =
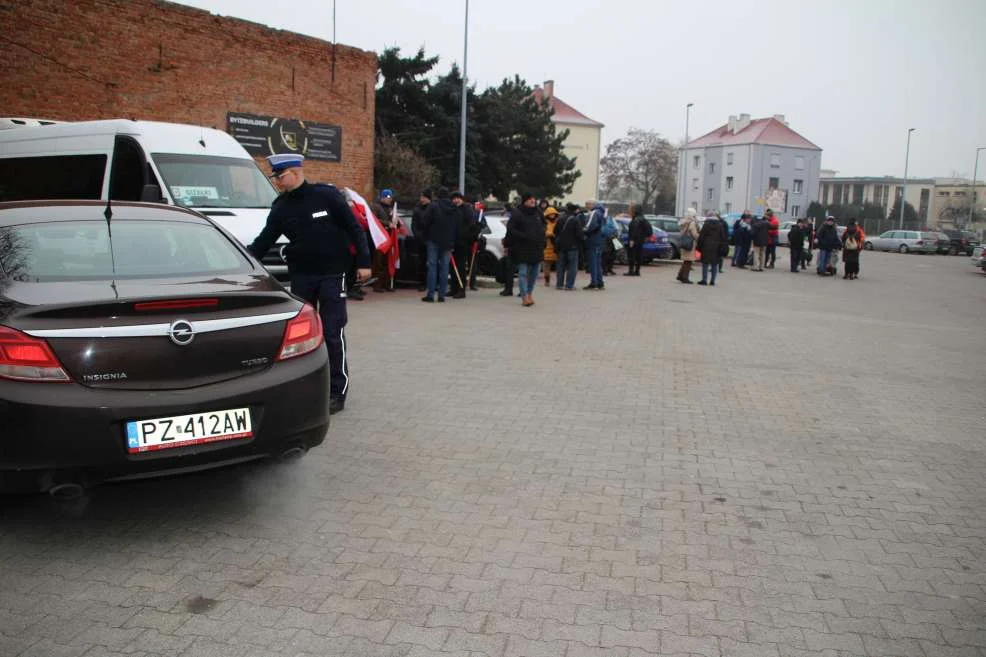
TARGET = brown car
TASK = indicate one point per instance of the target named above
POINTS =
(142, 339)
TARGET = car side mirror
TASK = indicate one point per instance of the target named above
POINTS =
(151, 193)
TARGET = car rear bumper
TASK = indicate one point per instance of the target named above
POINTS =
(68, 432)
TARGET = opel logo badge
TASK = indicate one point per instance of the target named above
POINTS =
(180, 332)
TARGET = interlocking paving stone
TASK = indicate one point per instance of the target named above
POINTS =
(780, 466)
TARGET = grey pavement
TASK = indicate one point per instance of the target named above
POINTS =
(781, 465)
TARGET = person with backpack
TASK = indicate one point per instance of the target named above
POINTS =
(594, 238)
(640, 231)
(689, 237)
(568, 237)
(852, 244)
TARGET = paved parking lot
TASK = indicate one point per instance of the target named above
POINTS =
(780, 465)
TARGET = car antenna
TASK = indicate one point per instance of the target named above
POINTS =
(202, 136)
(108, 213)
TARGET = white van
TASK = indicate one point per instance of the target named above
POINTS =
(194, 167)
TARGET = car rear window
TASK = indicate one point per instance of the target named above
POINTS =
(929, 236)
(80, 250)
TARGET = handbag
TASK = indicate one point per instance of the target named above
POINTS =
(617, 244)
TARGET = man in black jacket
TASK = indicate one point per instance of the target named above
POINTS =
(416, 227)
(828, 242)
(439, 225)
(796, 240)
(639, 231)
(465, 235)
(568, 238)
(318, 222)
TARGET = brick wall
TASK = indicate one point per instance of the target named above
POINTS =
(146, 59)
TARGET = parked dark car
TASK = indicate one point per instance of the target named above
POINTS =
(143, 339)
(961, 242)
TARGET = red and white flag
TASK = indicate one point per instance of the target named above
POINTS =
(381, 240)
(394, 255)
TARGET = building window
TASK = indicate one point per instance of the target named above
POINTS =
(729, 182)
(799, 162)
(795, 211)
(773, 183)
(775, 161)
(857, 194)
(709, 193)
(729, 159)
(712, 167)
(825, 194)
(694, 183)
(729, 208)
(799, 186)
(697, 160)
(958, 193)
(944, 194)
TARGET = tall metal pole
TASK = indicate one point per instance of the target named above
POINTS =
(462, 130)
(903, 195)
(684, 161)
(975, 172)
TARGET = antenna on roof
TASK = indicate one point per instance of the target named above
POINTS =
(108, 213)
(201, 136)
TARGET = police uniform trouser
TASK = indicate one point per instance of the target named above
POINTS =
(328, 294)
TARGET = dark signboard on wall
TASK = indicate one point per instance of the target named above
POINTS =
(267, 135)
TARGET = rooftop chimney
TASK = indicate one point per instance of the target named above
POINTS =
(780, 117)
(744, 120)
(732, 123)
(549, 88)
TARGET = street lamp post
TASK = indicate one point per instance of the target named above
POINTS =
(462, 118)
(975, 172)
(684, 160)
(903, 195)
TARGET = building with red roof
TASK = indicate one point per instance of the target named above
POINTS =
(749, 164)
(584, 143)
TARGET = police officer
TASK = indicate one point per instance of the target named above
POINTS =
(320, 225)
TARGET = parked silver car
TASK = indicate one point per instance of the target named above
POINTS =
(904, 241)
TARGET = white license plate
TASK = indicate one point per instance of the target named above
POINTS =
(183, 430)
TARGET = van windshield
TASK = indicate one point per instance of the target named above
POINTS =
(209, 181)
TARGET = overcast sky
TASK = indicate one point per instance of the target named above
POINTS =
(850, 75)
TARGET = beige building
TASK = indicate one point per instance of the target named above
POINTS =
(584, 143)
(883, 191)
(952, 201)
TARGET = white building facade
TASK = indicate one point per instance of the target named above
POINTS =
(749, 164)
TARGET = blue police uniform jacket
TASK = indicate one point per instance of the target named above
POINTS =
(321, 226)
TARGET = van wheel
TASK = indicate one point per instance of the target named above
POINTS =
(903, 248)
(867, 246)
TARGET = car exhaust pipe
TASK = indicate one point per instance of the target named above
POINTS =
(67, 492)
(292, 453)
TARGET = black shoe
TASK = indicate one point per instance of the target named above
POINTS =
(336, 404)
(712, 284)
(591, 286)
(688, 282)
(702, 283)
(628, 273)
(441, 299)
(461, 294)
(506, 293)
(356, 296)
(427, 299)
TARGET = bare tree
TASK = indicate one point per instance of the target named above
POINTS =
(644, 162)
(400, 168)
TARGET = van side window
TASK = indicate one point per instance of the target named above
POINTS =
(52, 177)
(127, 173)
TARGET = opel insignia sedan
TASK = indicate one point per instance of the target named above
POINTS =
(141, 339)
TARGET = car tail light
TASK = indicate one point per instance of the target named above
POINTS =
(302, 335)
(919, 242)
(652, 238)
(175, 304)
(28, 359)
